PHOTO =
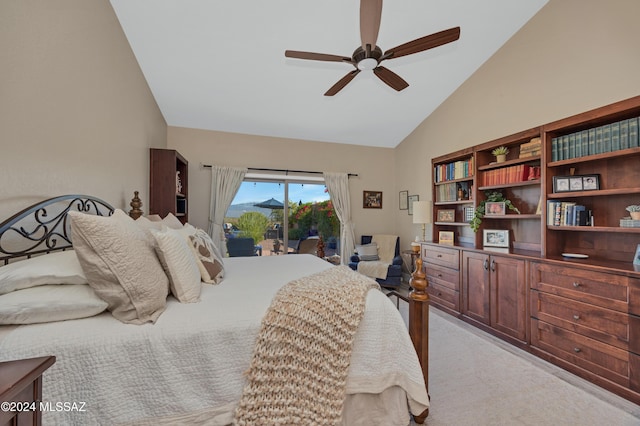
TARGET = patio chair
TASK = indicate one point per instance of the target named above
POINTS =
(238, 247)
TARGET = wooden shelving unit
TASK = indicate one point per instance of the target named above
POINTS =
(166, 165)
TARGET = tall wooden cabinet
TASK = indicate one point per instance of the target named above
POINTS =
(168, 184)
(579, 312)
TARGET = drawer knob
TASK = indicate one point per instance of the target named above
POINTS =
(439, 255)
(576, 317)
(439, 275)
(577, 350)
(576, 284)
(439, 293)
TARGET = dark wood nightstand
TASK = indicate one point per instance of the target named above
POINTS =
(20, 384)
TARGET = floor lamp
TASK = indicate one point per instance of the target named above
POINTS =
(422, 215)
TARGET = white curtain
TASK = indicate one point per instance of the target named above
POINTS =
(338, 187)
(225, 182)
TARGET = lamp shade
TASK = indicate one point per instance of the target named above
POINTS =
(422, 212)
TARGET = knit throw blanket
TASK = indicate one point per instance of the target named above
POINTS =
(301, 358)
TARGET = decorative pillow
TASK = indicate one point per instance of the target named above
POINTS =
(179, 264)
(55, 268)
(120, 265)
(48, 303)
(368, 252)
(208, 256)
(172, 222)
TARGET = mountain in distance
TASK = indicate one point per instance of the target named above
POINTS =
(236, 210)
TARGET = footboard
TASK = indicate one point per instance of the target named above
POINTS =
(419, 324)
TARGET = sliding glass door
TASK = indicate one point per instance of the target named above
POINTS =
(259, 211)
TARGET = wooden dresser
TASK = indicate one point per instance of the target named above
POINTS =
(20, 385)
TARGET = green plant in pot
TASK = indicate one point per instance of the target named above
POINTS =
(500, 153)
(491, 196)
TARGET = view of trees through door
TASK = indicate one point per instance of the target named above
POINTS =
(258, 211)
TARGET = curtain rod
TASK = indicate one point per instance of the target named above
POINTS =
(282, 170)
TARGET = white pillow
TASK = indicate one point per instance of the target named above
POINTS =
(208, 257)
(121, 265)
(48, 303)
(368, 252)
(171, 221)
(179, 263)
(55, 268)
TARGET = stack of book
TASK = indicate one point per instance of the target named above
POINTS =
(566, 213)
(623, 134)
(531, 148)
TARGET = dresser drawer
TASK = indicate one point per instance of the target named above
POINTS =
(597, 288)
(605, 325)
(599, 358)
(442, 256)
(440, 275)
(444, 296)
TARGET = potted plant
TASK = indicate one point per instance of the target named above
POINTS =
(634, 211)
(500, 153)
(491, 196)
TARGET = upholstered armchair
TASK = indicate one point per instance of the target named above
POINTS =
(393, 277)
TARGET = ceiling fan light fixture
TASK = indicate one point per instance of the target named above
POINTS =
(367, 64)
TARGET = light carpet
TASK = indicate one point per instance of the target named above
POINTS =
(477, 379)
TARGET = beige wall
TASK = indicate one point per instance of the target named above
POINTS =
(374, 166)
(574, 55)
(76, 114)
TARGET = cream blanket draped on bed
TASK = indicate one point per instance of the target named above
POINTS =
(300, 362)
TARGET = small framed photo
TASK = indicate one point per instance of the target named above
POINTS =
(636, 257)
(495, 238)
(411, 199)
(493, 208)
(575, 183)
(590, 182)
(561, 184)
(404, 200)
(448, 215)
(445, 237)
(371, 199)
(468, 214)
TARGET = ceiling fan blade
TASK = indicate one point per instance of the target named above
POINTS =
(341, 83)
(423, 43)
(370, 15)
(392, 79)
(316, 56)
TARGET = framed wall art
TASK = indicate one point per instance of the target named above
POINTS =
(403, 202)
(445, 237)
(411, 199)
(371, 199)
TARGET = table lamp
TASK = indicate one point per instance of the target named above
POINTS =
(422, 215)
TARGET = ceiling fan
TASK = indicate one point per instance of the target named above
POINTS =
(368, 56)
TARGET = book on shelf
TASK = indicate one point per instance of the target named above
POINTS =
(622, 134)
(567, 213)
(455, 170)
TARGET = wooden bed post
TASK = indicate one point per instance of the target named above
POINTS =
(419, 324)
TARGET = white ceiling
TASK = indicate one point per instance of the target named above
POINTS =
(220, 64)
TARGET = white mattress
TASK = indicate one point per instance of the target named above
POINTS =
(188, 367)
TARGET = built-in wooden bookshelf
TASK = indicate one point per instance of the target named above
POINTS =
(168, 184)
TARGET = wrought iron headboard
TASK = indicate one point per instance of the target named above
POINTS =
(44, 227)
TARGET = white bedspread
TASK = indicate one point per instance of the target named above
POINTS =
(190, 364)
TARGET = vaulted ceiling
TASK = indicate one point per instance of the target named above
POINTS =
(220, 64)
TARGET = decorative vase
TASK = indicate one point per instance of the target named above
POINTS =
(501, 158)
(635, 215)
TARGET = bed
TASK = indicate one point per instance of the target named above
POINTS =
(191, 363)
